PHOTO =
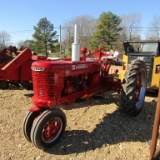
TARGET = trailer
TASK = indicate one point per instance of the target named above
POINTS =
(17, 70)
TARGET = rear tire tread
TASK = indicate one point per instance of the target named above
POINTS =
(128, 102)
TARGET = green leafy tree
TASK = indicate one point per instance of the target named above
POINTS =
(107, 31)
(44, 37)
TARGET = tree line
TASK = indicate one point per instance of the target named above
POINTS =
(108, 31)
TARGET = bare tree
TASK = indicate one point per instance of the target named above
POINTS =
(131, 25)
(87, 26)
(25, 44)
(154, 29)
(67, 34)
(4, 39)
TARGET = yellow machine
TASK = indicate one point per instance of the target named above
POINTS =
(147, 51)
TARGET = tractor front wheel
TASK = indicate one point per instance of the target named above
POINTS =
(48, 128)
(28, 122)
(134, 88)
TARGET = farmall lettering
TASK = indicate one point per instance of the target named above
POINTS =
(79, 66)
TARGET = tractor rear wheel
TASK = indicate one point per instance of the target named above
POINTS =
(4, 84)
(48, 128)
(28, 122)
(134, 88)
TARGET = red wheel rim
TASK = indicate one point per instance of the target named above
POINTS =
(52, 129)
(138, 87)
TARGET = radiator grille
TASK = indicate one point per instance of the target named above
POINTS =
(43, 84)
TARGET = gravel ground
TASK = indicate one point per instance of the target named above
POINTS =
(96, 130)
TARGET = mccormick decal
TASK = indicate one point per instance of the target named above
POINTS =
(79, 66)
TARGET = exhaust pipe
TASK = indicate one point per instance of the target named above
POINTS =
(75, 46)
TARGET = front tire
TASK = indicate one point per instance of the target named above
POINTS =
(49, 128)
(134, 88)
(28, 123)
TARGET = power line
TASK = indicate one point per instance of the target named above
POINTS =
(28, 30)
(21, 31)
(136, 28)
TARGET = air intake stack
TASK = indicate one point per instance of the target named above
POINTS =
(75, 46)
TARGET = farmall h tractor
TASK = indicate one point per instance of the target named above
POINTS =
(62, 81)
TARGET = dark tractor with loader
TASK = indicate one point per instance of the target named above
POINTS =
(147, 51)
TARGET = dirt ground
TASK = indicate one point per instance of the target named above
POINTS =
(96, 130)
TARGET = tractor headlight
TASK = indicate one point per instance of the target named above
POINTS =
(124, 66)
(157, 68)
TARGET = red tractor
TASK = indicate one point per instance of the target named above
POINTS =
(62, 81)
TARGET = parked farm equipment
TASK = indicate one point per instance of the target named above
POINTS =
(62, 81)
(149, 52)
(17, 70)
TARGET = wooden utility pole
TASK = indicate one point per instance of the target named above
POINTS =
(60, 28)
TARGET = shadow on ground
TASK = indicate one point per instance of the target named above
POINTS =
(114, 128)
